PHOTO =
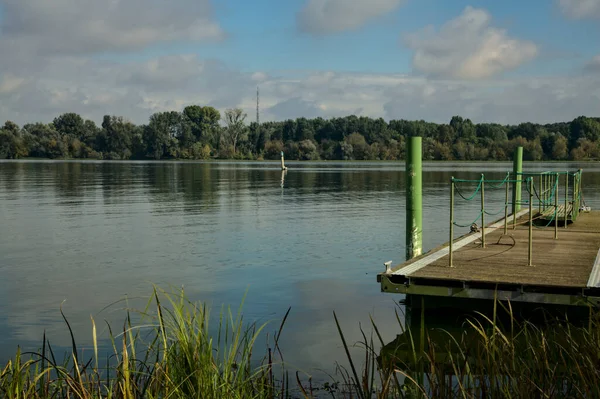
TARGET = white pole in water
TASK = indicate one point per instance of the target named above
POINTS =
(283, 167)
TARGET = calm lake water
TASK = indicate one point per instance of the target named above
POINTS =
(91, 233)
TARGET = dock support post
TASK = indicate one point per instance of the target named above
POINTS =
(506, 207)
(414, 200)
(556, 207)
(530, 181)
(451, 241)
(282, 162)
(482, 211)
(566, 196)
(517, 171)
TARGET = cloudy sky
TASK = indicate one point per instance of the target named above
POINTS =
(499, 61)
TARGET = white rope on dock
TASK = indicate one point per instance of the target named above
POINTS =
(429, 259)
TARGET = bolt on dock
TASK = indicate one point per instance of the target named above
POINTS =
(546, 250)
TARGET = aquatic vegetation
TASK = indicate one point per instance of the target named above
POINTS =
(486, 359)
(173, 351)
(177, 358)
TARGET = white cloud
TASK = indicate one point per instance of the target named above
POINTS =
(137, 89)
(90, 26)
(468, 47)
(36, 86)
(580, 9)
(594, 64)
(331, 16)
(10, 83)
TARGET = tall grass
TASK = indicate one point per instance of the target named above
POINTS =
(173, 351)
(486, 359)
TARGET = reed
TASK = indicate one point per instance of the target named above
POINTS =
(486, 359)
(173, 351)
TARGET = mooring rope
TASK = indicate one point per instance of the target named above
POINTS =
(472, 196)
(467, 225)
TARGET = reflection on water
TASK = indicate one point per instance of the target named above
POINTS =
(467, 341)
(313, 238)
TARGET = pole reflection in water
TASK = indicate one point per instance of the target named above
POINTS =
(283, 174)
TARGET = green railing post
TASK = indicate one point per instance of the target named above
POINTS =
(506, 205)
(576, 188)
(579, 182)
(517, 171)
(556, 207)
(514, 215)
(573, 195)
(482, 211)
(530, 181)
(546, 188)
(566, 197)
(541, 193)
(451, 241)
(414, 199)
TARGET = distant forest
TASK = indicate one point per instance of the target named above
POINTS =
(202, 133)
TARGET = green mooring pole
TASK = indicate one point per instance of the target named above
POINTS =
(451, 241)
(566, 196)
(530, 182)
(517, 170)
(482, 211)
(414, 199)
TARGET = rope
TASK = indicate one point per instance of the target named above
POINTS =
(550, 222)
(467, 225)
(495, 213)
(537, 195)
(499, 184)
(472, 196)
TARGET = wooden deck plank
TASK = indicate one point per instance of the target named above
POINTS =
(548, 212)
(564, 262)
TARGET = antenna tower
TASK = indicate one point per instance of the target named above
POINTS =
(257, 107)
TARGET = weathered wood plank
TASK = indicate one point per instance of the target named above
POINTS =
(564, 262)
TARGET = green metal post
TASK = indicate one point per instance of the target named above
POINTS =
(580, 172)
(451, 241)
(546, 185)
(575, 195)
(556, 207)
(517, 170)
(530, 221)
(506, 207)
(414, 200)
(566, 196)
(482, 211)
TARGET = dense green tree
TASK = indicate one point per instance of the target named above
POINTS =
(560, 149)
(195, 133)
(162, 133)
(204, 123)
(11, 142)
(117, 137)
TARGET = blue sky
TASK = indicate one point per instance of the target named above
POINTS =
(412, 59)
(263, 36)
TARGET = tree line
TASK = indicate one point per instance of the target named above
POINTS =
(202, 133)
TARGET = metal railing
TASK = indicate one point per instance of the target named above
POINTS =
(546, 192)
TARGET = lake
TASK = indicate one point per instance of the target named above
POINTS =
(86, 234)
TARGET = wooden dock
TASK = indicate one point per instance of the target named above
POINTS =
(548, 213)
(565, 270)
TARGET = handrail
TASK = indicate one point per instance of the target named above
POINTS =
(546, 191)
